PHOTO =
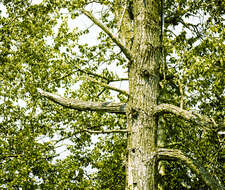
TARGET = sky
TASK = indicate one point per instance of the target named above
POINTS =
(81, 22)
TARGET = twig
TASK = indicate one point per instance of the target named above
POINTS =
(107, 131)
(121, 19)
(107, 86)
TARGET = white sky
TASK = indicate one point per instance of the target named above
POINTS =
(81, 22)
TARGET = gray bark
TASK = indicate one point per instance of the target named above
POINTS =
(194, 117)
(83, 105)
(140, 43)
(143, 89)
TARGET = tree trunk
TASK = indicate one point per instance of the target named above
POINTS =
(139, 28)
(143, 90)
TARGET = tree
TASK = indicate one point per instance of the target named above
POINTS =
(173, 54)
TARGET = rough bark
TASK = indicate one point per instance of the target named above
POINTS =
(143, 89)
(124, 19)
(85, 106)
(196, 118)
(139, 39)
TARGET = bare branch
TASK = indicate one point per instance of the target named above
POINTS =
(221, 133)
(95, 75)
(119, 79)
(107, 86)
(107, 131)
(10, 155)
(121, 19)
(211, 181)
(126, 51)
(83, 105)
(197, 118)
(181, 94)
(90, 73)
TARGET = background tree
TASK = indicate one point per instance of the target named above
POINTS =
(172, 52)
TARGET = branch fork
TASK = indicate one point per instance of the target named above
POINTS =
(124, 49)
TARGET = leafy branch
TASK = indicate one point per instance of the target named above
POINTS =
(98, 75)
(211, 181)
(106, 131)
(107, 86)
(126, 51)
(94, 80)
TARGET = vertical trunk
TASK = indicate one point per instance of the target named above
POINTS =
(144, 79)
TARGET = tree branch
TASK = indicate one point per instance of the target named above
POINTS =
(119, 79)
(211, 181)
(10, 155)
(83, 105)
(107, 131)
(90, 73)
(121, 19)
(96, 75)
(107, 86)
(126, 51)
(197, 118)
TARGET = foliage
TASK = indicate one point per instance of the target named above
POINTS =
(44, 145)
(196, 63)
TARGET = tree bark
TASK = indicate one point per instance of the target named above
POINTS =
(194, 117)
(85, 106)
(139, 27)
(143, 89)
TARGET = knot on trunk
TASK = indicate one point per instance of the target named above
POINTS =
(133, 112)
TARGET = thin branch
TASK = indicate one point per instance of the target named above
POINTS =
(83, 105)
(194, 117)
(99, 76)
(211, 181)
(107, 86)
(90, 73)
(10, 155)
(121, 19)
(221, 133)
(195, 28)
(90, 131)
(126, 51)
(107, 131)
(119, 79)
(61, 78)
(181, 94)
(4, 156)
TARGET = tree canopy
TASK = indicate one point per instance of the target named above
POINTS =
(47, 51)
